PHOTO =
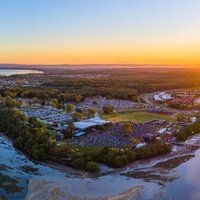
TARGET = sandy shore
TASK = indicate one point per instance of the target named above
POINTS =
(43, 190)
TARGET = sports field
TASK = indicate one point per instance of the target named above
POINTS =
(137, 117)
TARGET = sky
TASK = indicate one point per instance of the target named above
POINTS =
(100, 32)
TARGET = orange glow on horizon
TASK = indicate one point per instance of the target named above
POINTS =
(100, 32)
(168, 52)
(137, 55)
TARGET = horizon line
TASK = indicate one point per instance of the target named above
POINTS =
(102, 64)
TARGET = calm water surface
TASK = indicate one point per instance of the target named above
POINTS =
(176, 178)
(8, 72)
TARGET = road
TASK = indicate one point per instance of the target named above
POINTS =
(149, 99)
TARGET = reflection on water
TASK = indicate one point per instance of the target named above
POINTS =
(173, 162)
(161, 178)
(16, 170)
(175, 178)
(29, 170)
(9, 72)
(8, 184)
(161, 173)
(188, 185)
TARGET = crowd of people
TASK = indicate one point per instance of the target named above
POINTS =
(113, 135)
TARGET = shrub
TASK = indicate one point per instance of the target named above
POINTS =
(188, 131)
(131, 155)
(62, 151)
(78, 116)
(69, 131)
(120, 161)
(92, 167)
(107, 155)
(107, 109)
(127, 128)
(152, 150)
(78, 163)
(70, 107)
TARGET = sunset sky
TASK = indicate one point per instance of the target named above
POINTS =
(100, 31)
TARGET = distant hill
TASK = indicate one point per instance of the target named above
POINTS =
(86, 66)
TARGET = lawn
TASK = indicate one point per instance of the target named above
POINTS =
(137, 117)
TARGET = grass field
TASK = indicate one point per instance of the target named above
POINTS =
(137, 117)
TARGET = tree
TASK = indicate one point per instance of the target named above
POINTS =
(78, 163)
(32, 139)
(70, 107)
(40, 131)
(92, 166)
(78, 116)
(79, 110)
(34, 122)
(34, 100)
(69, 131)
(62, 151)
(91, 112)
(55, 103)
(134, 140)
(120, 161)
(78, 98)
(127, 128)
(10, 93)
(107, 109)
(9, 102)
(108, 97)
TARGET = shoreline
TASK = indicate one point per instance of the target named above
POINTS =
(176, 151)
(134, 192)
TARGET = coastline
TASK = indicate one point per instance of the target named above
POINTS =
(36, 185)
(53, 188)
(176, 151)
